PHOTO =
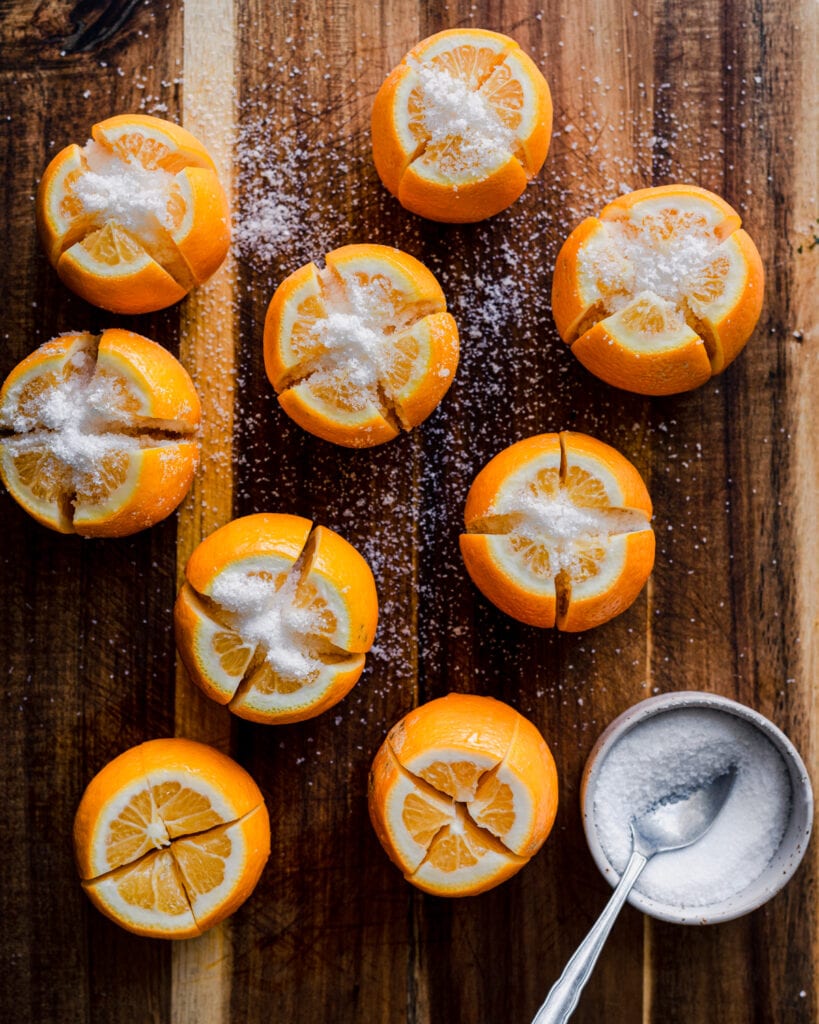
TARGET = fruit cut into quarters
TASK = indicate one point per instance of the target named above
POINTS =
(362, 349)
(275, 617)
(135, 218)
(558, 531)
(461, 125)
(99, 433)
(462, 793)
(170, 838)
(659, 292)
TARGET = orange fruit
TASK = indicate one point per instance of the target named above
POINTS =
(362, 349)
(103, 433)
(558, 531)
(461, 125)
(275, 617)
(659, 292)
(170, 838)
(136, 217)
(462, 793)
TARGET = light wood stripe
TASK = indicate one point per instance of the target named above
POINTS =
(202, 968)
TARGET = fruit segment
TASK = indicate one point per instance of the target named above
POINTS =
(462, 793)
(99, 433)
(275, 617)
(362, 349)
(461, 125)
(135, 218)
(660, 292)
(558, 531)
(170, 837)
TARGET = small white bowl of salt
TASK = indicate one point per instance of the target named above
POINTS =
(679, 741)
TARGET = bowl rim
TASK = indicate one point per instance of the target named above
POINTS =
(753, 896)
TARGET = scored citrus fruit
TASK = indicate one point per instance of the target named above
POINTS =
(461, 125)
(102, 433)
(275, 617)
(170, 838)
(361, 349)
(558, 531)
(659, 292)
(135, 218)
(462, 793)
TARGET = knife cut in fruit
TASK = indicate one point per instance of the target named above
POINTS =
(461, 125)
(136, 217)
(275, 617)
(98, 433)
(558, 531)
(361, 349)
(462, 793)
(170, 838)
(661, 291)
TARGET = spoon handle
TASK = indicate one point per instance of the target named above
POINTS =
(563, 997)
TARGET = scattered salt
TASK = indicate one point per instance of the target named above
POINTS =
(679, 750)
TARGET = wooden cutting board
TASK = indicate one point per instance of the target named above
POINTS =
(721, 94)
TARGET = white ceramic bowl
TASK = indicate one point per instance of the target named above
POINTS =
(794, 842)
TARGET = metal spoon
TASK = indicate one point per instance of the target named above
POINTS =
(675, 821)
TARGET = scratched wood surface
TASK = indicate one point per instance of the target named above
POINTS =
(718, 93)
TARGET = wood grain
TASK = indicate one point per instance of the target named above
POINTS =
(722, 94)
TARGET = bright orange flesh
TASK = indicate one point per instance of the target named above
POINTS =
(170, 838)
(659, 292)
(135, 218)
(461, 125)
(558, 532)
(363, 349)
(462, 793)
(275, 617)
(102, 433)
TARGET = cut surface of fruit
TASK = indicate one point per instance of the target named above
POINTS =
(136, 217)
(98, 433)
(462, 793)
(558, 531)
(660, 291)
(274, 618)
(170, 838)
(362, 349)
(461, 125)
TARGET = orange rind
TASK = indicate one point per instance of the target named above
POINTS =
(462, 793)
(275, 617)
(170, 838)
(362, 349)
(461, 126)
(135, 218)
(558, 532)
(660, 292)
(99, 433)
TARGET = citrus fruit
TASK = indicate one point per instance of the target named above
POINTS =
(361, 349)
(461, 125)
(659, 292)
(558, 531)
(462, 793)
(170, 838)
(102, 433)
(275, 617)
(135, 218)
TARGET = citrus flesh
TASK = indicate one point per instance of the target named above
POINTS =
(135, 218)
(558, 531)
(170, 838)
(99, 433)
(461, 125)
(659, 292)
(463, 792)
(362, 349)
(275, 617)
